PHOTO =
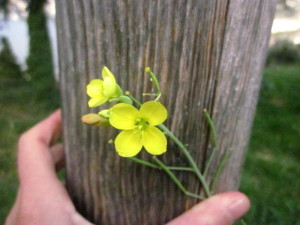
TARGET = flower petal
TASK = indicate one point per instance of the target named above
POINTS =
(95, 88)
(109, 83)
(128, 143)
(109, 88)
(154, 141)
(94, 102)
(153, 112)
(123, 116)
(106, 74)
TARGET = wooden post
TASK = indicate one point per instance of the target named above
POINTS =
(207, 54)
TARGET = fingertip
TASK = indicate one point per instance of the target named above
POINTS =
(221, 209)
(49, 129)
(57, 114)
(230, 206)
(239, 205)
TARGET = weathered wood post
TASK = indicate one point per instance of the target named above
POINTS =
(207, 54)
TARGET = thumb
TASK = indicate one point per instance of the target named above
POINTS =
(221, 209)
(77, 219)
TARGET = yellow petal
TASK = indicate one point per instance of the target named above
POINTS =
(154, 141)
(123, 116)
(109, 88)
(94, 102)
(153, 112)
(128, 143)
(109, 83)
(106, 74)
(95, 88)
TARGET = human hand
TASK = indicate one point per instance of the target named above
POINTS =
(42, 199)
(220, 209)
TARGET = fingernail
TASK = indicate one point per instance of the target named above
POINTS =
(238, 207)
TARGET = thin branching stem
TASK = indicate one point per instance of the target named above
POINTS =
(155, 82)
(215, 141)
(220, 169)
(175, 180)
(188, 157)
(137, 102)
(146, 163)
(181, 168)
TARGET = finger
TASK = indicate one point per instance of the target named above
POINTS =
(48, 130)
(221, 209)
(77, 219)
(58, 156)
(35, 161)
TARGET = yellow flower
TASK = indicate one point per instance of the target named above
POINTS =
(101, 91)
(139, 128)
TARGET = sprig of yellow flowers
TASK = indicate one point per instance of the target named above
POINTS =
(142, 126)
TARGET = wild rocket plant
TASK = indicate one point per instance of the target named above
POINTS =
(141, 127)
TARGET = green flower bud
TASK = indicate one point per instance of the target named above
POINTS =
(125, 99)
(105, 113)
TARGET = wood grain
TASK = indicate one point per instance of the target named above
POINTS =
(207, 54)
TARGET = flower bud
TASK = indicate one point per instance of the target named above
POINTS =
(125, 99)
(95, 120)
(105, 113)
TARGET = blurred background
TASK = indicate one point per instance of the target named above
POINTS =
(29, 92)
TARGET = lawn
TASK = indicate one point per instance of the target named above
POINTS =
(25, 99)
(270, 176)
(272, 169)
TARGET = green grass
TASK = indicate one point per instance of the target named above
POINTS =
(271, 172)
(25, 99)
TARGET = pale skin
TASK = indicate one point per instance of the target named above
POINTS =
(43, 200)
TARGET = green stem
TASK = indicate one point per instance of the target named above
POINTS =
(140, 161)
(188, 156)
(212, 128)
(220, 169)
(155, 82)
(215, 141)
(137, 102)
(114, 100)
(181, 168)
(175, 180)
(146, 163)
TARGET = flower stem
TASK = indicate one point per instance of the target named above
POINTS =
(155, 82)
(215, 141)
(181, 168)
(212, 127)
(220, 169)
(175, 180)
(140, 161)
(137, 102)
(189, 158)
(146, 163)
